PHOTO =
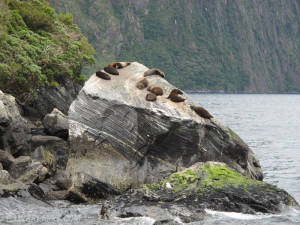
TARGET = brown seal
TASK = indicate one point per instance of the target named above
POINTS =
(111, 70)
(174, 96)
(177, 91)
(154, 71)
(142, 84)
(119, 65)
(151, 97)
(201, 112)
(103, 75)
(156, 90)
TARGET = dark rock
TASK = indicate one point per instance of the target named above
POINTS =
(123, 140)
(52, 97)
(38, 131)
(56, 124)
(19, 166)
(1, 167)
(15, 132)
(38, 140)
(62, 180)
(75, 198)
(53, 150)
(6, 159)
(91, 188)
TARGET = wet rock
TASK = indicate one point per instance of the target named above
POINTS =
(123, 140)
(15, 131)
(56, 124)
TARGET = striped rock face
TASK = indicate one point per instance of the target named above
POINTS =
(119, 138)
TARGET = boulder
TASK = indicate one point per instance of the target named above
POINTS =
(6, 159)
(26, 171)
(19, 166)
(210, 185)
(120, 139)
(56, 124)
(15, 131)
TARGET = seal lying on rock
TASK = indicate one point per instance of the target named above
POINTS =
(119, 65)
(142, 84)
(103, 75)
(154, 71)
(151, 97)
(156, 90)
(111, 70)
(201, 112)
(174, 96)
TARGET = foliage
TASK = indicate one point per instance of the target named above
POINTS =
(39, 48)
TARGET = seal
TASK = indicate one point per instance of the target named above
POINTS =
(142, 84)
(156, 90)
(174, 96)
(201, 112)
(177, 91)
(111, 70)
(103, 75)
(119, 65)
(154, 71)
(151, 97)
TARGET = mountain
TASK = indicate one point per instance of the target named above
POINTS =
(231, 45)
(39, 48)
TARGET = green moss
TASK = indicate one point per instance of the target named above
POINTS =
(210, 177)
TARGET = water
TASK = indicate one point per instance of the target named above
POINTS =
(269, 124)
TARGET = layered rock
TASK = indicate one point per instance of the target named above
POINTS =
(120, 139)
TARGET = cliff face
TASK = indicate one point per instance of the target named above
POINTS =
(249, 45)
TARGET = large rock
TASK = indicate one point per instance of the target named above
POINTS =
(15, 131)
(49, 97)
(210, 185)
(119, 138)
(56, 123)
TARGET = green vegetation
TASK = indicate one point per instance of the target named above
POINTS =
(222, 45)
(38, 48)
(207, 177)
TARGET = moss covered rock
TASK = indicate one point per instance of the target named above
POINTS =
(213, 185)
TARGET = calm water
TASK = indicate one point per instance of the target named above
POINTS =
(269, 124)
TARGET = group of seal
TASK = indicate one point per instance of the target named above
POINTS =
(111, 69)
